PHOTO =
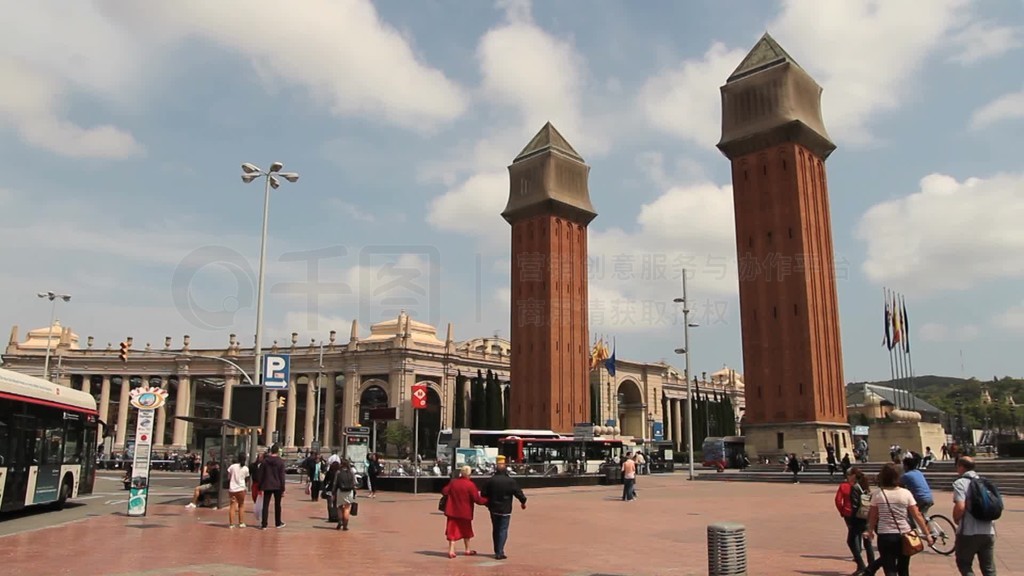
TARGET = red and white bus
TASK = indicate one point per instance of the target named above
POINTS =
(47, 442)
(558, 455)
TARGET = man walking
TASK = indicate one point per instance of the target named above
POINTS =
(272, 482)
(629, 478)
(974, 537)
(499, 491)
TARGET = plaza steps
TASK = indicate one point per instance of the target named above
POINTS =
(1008, 475)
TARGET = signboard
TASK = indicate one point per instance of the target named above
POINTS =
(583, 431)
(146, 400)
(860, 430)
(658, 429)
(275, 371)
(419, 396)
(372, 414)
(609, 422)
(357, 431)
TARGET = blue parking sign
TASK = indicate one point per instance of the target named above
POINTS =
(275, 371)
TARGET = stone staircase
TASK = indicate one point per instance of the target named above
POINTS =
(1007, 474)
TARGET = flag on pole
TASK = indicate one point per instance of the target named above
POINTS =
(906, 326)
(887, 340)
(897, 332)
(609, 363)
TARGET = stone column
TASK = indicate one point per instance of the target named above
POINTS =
(160, 430)
(230, 381)
(122, 412)
(290, 408)
(327, 437)
(271, 419)
(104, 407)
(677, 424)
(349, 398)
(87, 384)
(182, 401)
(311, 392)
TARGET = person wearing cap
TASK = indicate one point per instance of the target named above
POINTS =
(499, 491)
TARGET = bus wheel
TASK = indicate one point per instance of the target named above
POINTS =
(64, 495)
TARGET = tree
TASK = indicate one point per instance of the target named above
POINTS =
(398, 435)
(595, 399)
(477, 403)
(507, 411)
(460, 401)
(495, 420)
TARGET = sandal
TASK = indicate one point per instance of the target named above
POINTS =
(451, 554)
(470, 552)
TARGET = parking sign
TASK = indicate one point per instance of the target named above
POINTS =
(275, 371)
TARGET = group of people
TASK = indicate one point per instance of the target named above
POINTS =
(899, 505)
(461, 495)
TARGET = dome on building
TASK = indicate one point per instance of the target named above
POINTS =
(38, 338)
(493, 345)
(727, 376)
(417, 331)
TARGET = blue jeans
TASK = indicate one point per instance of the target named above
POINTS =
(855, 528)
(499, 532)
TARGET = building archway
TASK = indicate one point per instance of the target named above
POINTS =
(373, 396)
(430, 422)
(631, 409)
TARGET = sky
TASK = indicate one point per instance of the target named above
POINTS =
(123, 126)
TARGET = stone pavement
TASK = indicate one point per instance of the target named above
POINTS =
(791, 529)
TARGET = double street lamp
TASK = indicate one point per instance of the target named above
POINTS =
(52, 297)
(272, 177)
(685, 351)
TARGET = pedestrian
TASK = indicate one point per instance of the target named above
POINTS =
(831, 459)
(846, 464)
(257, 494)
(209, 482)
(628, 478)
(929, 457)
(460, 495)
(793, 465)
(272, 482)
(343, 490)
(641, 462)
(329, 493)
(499, 491)
(316, 479)
(892, 509)
(854, 509)
(944, 451)
(974, 536)
(373, 471)
(238, 476)
(913, 479)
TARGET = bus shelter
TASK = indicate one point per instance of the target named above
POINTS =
(219, 440)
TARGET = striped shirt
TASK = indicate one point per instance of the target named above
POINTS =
(894, 502)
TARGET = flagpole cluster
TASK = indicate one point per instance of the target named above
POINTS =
(897, 341)
(601, 357)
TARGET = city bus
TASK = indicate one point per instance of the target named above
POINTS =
(724, 452)
(47, 442)
(559, 455)
(487, 439)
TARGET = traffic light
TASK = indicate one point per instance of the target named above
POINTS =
(280, 402)
(124, 352)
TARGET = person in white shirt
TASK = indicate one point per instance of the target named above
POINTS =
(333, 458)
(238, 475)
(974, 537)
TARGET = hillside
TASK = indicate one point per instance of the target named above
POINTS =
(942, 391)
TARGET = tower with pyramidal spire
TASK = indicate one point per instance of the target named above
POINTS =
(549, 209)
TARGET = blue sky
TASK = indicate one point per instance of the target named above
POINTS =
(123, 125)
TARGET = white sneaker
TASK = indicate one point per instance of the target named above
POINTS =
(190, 506)
(232, 526)
(242, 525)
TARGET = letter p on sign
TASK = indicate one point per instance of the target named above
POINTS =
(275, 371)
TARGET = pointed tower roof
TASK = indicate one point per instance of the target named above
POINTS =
(549, 138)
(765, 54)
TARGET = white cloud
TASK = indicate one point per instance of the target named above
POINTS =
(473, 208)
(350, 211)
(986, 39)
(950, 235)
(310, 326)
(862, 53)
(348, 58)
(936, 332)
(1006, 107)
(1011, 319)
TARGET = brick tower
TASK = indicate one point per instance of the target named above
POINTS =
(549, 210)
(773, 133)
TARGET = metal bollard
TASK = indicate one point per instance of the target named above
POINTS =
(727, 549)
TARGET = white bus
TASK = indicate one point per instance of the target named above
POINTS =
(487, 439)
(47, 442)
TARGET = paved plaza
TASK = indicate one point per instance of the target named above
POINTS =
(792, 529)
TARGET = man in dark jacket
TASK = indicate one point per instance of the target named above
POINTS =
(272, 482)
(499, 491)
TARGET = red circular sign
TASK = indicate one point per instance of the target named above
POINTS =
(143, 437)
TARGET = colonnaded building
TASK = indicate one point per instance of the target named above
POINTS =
(642, 399)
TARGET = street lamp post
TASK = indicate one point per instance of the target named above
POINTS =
(52, 297)
(319, 374)
(685, 351)
(251, 172)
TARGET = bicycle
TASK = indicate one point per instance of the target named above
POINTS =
(943, 534)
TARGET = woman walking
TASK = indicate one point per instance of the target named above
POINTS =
(373, 470)
(238, 474)
(793, 465)
(343, 488)
(257, 494)
(329, 493)
(853, 509)
(892, 508)
(461, 494)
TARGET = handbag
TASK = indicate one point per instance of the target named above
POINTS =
(353, 508)
(909, 541)
(443, 503)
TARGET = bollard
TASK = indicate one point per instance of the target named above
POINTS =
(727, 549)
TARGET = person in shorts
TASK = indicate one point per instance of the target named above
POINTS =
(208, 483)
(238, 475)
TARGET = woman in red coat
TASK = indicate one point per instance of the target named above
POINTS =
(462, 494)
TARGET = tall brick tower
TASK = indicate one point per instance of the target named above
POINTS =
(773, 133)
(549, 209)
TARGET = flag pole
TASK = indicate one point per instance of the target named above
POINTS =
(888, 343)
(896, 346)
(910, 356)
(902, 355)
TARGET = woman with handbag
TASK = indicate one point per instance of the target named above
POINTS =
(853, 500)
(459, 496)
(344, 489)
(892, 508)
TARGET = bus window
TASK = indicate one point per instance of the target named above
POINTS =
(73, 442)
(52, 440)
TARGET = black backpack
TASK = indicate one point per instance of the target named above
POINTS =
(983, 500)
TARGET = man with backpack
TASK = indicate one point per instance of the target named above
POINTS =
(976, 506)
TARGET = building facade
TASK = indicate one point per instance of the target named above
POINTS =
(774, 136)
(370, 371)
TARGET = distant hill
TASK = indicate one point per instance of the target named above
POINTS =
(942, 392)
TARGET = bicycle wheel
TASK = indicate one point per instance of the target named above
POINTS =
(943, 532)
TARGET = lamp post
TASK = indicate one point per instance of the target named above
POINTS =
(319, 374)
(249, 173)
(685, 351)
(52, 297)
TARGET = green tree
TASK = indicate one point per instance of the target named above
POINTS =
(460, 401)
(400, 436)
(507, 405)
(477, 403)
(495, 420)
